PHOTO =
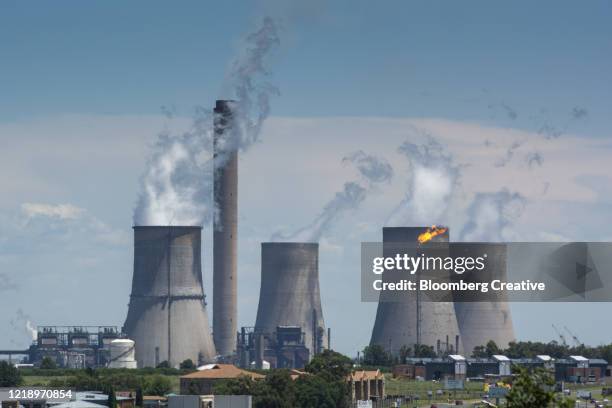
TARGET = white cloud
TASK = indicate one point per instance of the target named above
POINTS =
(93, 163)
(61, 211)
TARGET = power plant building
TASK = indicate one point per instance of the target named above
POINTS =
(289, 296)
(480, 322)
(167, 315)
(412, 321)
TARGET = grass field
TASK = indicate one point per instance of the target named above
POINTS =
(472, 394)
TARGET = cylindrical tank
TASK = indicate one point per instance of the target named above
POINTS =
(166, 315)
(225, 231)
(122, 354)
(411, 321)
(480, 322)
(289, 294)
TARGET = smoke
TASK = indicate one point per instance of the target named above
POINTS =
(22, 324)
(6, 283)
(251, 90)
(176, 187)
(509, 154)
(372, 170)
(534, 159)
(579, 113)
(433, 179)
(490, 216)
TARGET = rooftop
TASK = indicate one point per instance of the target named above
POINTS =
(214, 371)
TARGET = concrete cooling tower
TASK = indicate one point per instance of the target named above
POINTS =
(166, 315)
(480, 322)
(411, 320)
(225, 231)
(289, 294)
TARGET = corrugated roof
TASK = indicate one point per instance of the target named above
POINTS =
(500, 357)
(222, 371)
(579, 358)
(77, 404)
(364, 375)
(456, 357)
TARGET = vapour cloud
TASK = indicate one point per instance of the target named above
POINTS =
(432, 180)
(372, 170)
(491, 214)
(21, 323)
(176, 187)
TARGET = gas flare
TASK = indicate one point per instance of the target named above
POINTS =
(431, 232)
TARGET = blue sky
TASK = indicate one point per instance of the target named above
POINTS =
(82, 84)
(391, 58)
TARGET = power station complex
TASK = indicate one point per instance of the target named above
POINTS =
(167, 319)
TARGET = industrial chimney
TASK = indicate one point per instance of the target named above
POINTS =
(480, 322)
(411, 321)
(167, 315)
(289, 294)
(225, 230)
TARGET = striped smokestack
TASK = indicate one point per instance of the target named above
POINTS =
(225, 233)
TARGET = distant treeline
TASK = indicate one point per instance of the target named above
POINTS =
(530, 349)
(377, 356)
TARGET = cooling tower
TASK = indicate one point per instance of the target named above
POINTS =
(166, 315)
(225, 231)
(289, 294)
(412, 321)
(480, 322)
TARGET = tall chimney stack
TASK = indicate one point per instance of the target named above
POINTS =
(225, 230)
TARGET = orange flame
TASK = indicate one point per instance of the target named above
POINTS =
(431, 232)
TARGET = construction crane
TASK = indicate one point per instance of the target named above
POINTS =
(561, 336)
(574, 337)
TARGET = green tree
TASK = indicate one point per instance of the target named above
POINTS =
(479, 352)
(163, 364)
(534, 389)
(329, 368)
(404, 353)
(9, 375)
(279, 390)
(158, 385)
(187, 365)
(330, 364)
(424, 351)
(314, 392)
(491, 348)
(375, 355)
(48, 363)
(243, 385)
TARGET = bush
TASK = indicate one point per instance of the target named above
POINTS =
(157, 385)
(48, 363)
(9, 375)
(187, 365)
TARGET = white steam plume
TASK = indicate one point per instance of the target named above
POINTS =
(21, 323)
(433, 179)
(176, 187)
(372, 171)
(491, 215)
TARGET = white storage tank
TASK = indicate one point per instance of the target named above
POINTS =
(122, 354)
